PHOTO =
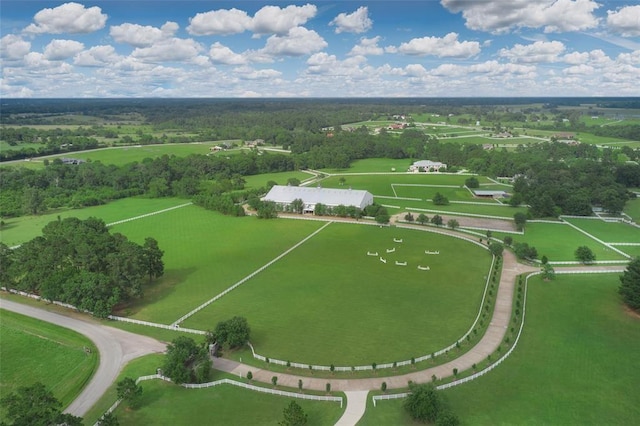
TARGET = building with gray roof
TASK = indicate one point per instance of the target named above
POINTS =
(332, 197)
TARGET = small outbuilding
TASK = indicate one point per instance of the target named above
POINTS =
(332, 197)
(484, 193)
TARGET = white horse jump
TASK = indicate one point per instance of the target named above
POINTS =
(423, 268)
(401, 263)
(431, 252)
(391, 250)
(397, 240)
(383, 260)
(372, 254)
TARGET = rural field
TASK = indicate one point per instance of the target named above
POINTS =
(36, 351)
(330, 290)
(608, 232)
(578, 346)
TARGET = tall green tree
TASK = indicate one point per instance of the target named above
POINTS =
(35, 405)
(423, 403)
(630, 285)
(130, 391)
(520, 220)
(33, 200)
(585, 255)
(186, 361)
(233, 333)
(152, 258)
(293, 415)
(437, 220)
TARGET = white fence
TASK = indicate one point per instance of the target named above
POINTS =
(156, 325)
(248, 277)
(389, 364)
(148, 214)
(233, 383)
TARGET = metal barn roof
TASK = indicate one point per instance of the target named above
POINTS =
(327, 196)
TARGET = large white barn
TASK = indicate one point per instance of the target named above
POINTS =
(284, 195)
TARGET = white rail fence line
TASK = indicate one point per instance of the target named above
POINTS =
(625, 244)
(597, 239)
(595, 262)
(251, 275)
(486, 216)
(156, 325)
(148, 214)
(233, 383)
(506, 355)
(390, 364)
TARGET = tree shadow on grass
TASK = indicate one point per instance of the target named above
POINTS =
(154, 291)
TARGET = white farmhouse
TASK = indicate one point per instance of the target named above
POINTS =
(426, 166)
(284, 195)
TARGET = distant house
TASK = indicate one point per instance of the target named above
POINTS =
(396, 126)
(564, 135)
(284, 195)
(254, 143)
(426, 166)
(74, 161)
(504, 135)
(483, 193)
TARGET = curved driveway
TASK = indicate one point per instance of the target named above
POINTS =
(116, 348)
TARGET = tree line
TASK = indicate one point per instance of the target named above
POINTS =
(81, 263)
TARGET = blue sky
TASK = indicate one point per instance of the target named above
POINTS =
(419, 48)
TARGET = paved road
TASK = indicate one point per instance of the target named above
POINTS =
(116, 348)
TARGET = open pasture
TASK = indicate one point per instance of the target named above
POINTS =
(616, 232)
(168, 404)
(260, 181)
(559, 242)
(430, 209)
(574, 364)
(632, 208)
(381, 184)
(21, 229)
(34, 350)
(205, 253)
(427, 192)
(330, 302)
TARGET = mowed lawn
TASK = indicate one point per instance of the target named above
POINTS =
(632, 208)
(36, 351)
(167, 404)
(205, 253)
(576, 364)
(430, 209)
(608, 232)
(21, 229)
(559, 242)
(381, 184)
(328, 302)
(428, 192)
(371, 165)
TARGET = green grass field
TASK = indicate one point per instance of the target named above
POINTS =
(632, 208)
(36, 351)
(259, 181)
(327, 302)
(167, 404)
(608, 232)
(574, 365)
(372, 165)
(205, 253)
(381, 184)
(427, 207)
(21, 229)
(559, 242)
(425, 192)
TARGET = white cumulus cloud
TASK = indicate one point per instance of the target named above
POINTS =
(13, 47)
(276, 20)
(447, 46)
(500, 16)
(71, 18)
(170, 50)
(221, 54)
(142, 35)
(625, 21)
(297, 42)
(58, 50)
(367, 47)
(219, 22)
(356, 22)
(97, 56)
(540, 51)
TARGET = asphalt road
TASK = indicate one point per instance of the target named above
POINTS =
(116, 348)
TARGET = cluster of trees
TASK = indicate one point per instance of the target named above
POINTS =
(81, 263)
(426, 405)
(630, 285)
(28, 191)
(35, 405)
(231, 334)
(186, 361)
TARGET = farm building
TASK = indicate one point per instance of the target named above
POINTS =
(426, 166)
(284, 195)
(489, 193)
